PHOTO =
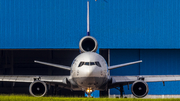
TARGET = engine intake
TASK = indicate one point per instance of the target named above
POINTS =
(38, 88)
(88, 44)
(139, 89)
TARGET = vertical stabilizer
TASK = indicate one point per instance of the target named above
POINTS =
(88, 33)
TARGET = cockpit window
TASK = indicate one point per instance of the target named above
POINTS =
(98, 64)
(92, 63)
(86, 63)
(80, 64)
(89, 64)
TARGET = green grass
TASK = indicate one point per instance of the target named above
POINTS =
(51, 98)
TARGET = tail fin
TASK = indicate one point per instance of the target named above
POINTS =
(88, 32)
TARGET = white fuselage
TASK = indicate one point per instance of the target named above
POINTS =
(89, 70)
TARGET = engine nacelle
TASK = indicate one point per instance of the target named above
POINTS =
(139, 89)
(88, 44)
(38, 88)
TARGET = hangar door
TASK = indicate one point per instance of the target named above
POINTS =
(155, 62)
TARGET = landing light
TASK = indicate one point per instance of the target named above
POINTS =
(89, 90)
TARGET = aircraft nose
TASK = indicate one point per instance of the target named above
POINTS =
(89, 71)
(93, 71)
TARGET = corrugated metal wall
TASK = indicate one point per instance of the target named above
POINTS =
(115, 23)
(42, 23)
(155, 62)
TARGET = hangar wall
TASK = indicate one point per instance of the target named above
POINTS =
(155, 62)
(127, 24)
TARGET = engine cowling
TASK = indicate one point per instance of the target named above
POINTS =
(38, 88)
(88, 44)
(139, 89)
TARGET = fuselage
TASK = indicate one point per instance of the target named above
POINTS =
(89, 71)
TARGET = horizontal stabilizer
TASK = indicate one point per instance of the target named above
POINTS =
(54, 65)
(125, 64)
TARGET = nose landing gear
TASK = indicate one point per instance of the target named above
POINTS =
(89, 92)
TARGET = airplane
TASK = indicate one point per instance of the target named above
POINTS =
(88, 72)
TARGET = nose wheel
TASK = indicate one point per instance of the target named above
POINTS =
(89, 95)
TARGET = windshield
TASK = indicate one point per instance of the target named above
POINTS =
(89, 64)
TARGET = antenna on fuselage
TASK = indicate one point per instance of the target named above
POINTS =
(88, 33)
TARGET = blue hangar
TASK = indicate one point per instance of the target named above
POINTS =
(126, 30)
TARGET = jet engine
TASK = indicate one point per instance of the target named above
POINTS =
(38, 88)
(139, 89)
(88, 44)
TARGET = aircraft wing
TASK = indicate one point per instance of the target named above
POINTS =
(125, 64)
(60, 80)
(54, 65)
(31, 78)
(125, 80)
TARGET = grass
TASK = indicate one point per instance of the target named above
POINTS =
(51, 98)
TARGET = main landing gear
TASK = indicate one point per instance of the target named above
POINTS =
(121, 90)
